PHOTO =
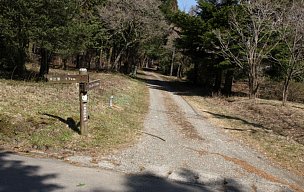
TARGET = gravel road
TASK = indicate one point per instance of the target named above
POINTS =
(178, 144)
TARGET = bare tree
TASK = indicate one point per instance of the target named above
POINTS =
(254, 25)
(291, 59)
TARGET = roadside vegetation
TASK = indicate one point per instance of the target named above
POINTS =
(267, 126)
(40, 116)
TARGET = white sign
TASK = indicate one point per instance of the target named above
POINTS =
(84, 98)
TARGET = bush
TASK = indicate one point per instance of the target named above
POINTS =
(273, 90)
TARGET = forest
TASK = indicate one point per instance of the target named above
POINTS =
(215, 45)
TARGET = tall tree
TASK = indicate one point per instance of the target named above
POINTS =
(50, 23)
(255, 24)
(198, 41)
(15, 25)
(289, 55)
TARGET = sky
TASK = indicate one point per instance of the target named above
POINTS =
(185, 5)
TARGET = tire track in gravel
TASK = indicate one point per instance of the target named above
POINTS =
(180, 145)
(186, 128)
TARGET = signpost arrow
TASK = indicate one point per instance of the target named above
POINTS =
(93, 84)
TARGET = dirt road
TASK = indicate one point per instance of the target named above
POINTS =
(179, 144)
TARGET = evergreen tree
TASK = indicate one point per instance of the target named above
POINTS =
(198, 41)
(63, 26)
(16, 28)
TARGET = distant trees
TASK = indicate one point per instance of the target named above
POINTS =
(131, 25)
(117, 32)
(217, 40)
(198, 42)
(53, 25)
(266, 30)
(223, 37)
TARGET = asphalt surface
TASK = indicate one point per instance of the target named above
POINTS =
(26, 174)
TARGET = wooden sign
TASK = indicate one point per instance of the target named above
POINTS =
(84, 86)
(93, 84)
(68, 78)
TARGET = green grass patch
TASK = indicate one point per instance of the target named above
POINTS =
(44, 116)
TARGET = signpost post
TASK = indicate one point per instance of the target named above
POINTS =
(84, 86)
(83, 99)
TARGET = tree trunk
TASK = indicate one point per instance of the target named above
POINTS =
(110, 58)
(253, 83)
(20, 67)
(116, 62)
(147, 62)
(43, 62)
(144, 62)
(101, 63)
(228, 83)
(78, 61)
(286, 89)
(195, 73)
(87, 59)
(65, 64)
(218, 82)
(179, 71)
(172, 62)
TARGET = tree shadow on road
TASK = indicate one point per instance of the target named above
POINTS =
(221, 116)
(186, 89)
(148, 182)
(177, 87)
(15, 176)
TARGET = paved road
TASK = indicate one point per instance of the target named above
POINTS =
(25, 174)
(177, 145)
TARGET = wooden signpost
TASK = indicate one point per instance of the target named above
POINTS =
(84, 86)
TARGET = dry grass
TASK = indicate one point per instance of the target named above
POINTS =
(42, 116)
(275, 130)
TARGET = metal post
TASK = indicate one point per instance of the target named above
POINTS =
(83, 99)
(111, 101)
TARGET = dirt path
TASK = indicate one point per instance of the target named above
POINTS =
(179, 144)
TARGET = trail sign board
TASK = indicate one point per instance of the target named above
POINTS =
(68, 78)
(84, 86)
